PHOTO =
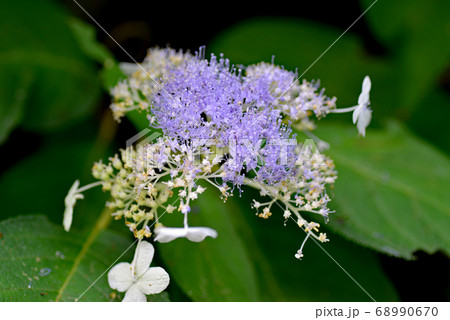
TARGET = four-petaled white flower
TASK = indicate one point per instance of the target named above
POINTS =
(137, 278)
(69, 201)
(362, 113)
(195, 234)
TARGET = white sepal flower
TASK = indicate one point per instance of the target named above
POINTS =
(363, 114)
(195, 234)
(137, 278)
(70, 201)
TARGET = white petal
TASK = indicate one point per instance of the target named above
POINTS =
(367, 84)
(67, 221)
(120, 277)
(364, 120)
(142, 258)
(154, 281)
(365, 93)
(363, 99)
(73, 189)
(69, 201)
(164, 234)
(133, 294)
(197, 234)
(356, 113)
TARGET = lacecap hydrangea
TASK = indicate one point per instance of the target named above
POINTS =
(221, 127)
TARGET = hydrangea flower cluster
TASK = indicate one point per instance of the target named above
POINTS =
(131, 94)
(223, 128)
(296, 101)
(154, 179)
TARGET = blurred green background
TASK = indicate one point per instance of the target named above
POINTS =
(390, 231)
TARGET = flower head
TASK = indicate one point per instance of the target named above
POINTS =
(137, 278)
(293, 99)
(212, 101)
(136, 92)
(228, 127)
(363, 114)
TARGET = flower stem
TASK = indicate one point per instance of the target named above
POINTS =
(101, 224)
(89, 186)
(343, 110)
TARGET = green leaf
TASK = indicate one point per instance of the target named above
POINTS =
(161, 297)
(211, 270)
(86, 37)
(44, 178)
(427, 124)
(36, 40)
(407, 17)
(319, 276)
(214, 269)
(139, 120)
(110, 75)
(13, 98)
(417, 35)
(391, 190)
(40, 261)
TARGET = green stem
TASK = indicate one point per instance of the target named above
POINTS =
(102, 223)
(106, 133)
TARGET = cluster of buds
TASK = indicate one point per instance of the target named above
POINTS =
(304, 191)
(144, 182)
(149, 180)
(135, 92)
(297, 101)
